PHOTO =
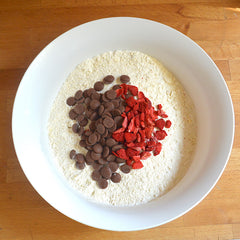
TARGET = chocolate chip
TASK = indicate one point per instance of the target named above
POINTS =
(101, 161)
(90, 91)
(105, 152)
(96, 166)
(84, 122)
(120, 160)
(116, 103)
(109, 106)
(96, 175)
(93, 116)
(116, 112)
(98, 86)
(80, 118)
(104, 98)
(118, 120)
(87, 133)
(108, 79)
(96, 96)
(79, 108)
(102, 183)
(124, 79)
(113, 166)
(85, 93)
(101, 110)
(110, 142)
(80, 158)
(121, 108)
(72, 114)
(113, 128)
(94, 104)
(108, 122)
(87, 100)
(92, 126)
(92, 139)
(75, 128)
(125, 168)
(117, 147)
(100, 128)
(82, 143)
(111, 94)
(88, 158)
(71, 101)
(72, 154)
(80, 165)
(116, 177)
(115, 87)
(106, 172)
(95, 156)
(81, 100)
(111, 158)
(105, 133)
(97, 148)
(80, 130)
(78, 94)
(106, 113)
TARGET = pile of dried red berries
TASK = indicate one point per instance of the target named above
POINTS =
(121, 131)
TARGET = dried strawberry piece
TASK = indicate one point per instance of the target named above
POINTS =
(121, 153)
(137, 120)
(138, 149)
(159, 106)
(151, 143)
(120, 130)
(119, 92)
(160, 135)
(127, 109)
(133, 90)
(131, 101)
(138, 137)
(137, 165)
(145, 155)
(131, 125)
(136, 158)
(130, 137)
(131, 144)
(129, 162)
(131, 152)
(125, 122)
(168, 124)
(148, 131)
(136, 108)
(130, 115)
(150, 148)
(157, 149)
(141, 95)
(125, 88)
(160, 123)
(119, 137)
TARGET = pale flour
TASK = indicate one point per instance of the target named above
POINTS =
(159, 173)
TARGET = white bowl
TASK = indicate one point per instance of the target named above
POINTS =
(188, 62)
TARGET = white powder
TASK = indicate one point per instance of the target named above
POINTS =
(160, 173)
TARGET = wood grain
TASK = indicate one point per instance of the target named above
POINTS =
(27, 26)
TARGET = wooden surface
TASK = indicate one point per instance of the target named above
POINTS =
(26, 26)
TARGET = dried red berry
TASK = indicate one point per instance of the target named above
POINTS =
(168, 124)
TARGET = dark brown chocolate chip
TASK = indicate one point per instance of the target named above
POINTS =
(115, 87)
(88, 158)
(95, 156)
(87, 100)
(101, 161)
(113, 128)
(71, 101)
(116, 112)
(117, 147)
(111, 94)
(101, 110)
(81, 100)
(89, 112)
(113, 166)
(90, 91)
(108, 122)
(80, 118)
(94, 104)
(120, 160)
(98, 86)
(116, 103)
(96, 166)
(84, 122)
(92, 139)
(78, 95)
(104, 98)
(124, 78)
(105, 152)
(96, 175)
(110, 142)
(87, 133)
(72, 154)
(106, 172)
(106, 113)
(80, 158)
(85, 93)
(102, 183)
(116, 177)
(80, 165)
(108, 79)
(100, 128)
(97, 148)
(82, 143)
(109, 106)
(111, 158)
(93, 116)
(105, 133)
(92, 126)
(75, 127)
(121, 108)
(118, 120)
(80, 130)
(79, 108)
(125, 168)
(72, 114)
(95, 96)
(103, 141)
(98, 136)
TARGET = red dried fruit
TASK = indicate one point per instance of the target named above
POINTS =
(160, 123)
(129, 162)
(131, 101)
(137, 165)
(131, 152)
(157, 149)
(145, 155)
(136, 158)
(130, 137)
(119, 137)
(133, 90)
(121, 153)
(159, 106)
(119, 92)
(127, 109)
(125, 122)
(160, 135)
(131, 125)
(168, 124)
(120, 130)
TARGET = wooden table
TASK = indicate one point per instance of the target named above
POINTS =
(26, 26)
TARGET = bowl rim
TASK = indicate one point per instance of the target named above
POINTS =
(104, 20)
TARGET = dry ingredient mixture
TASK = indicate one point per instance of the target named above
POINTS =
(117, 146)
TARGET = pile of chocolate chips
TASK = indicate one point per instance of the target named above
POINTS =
(97, 116)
